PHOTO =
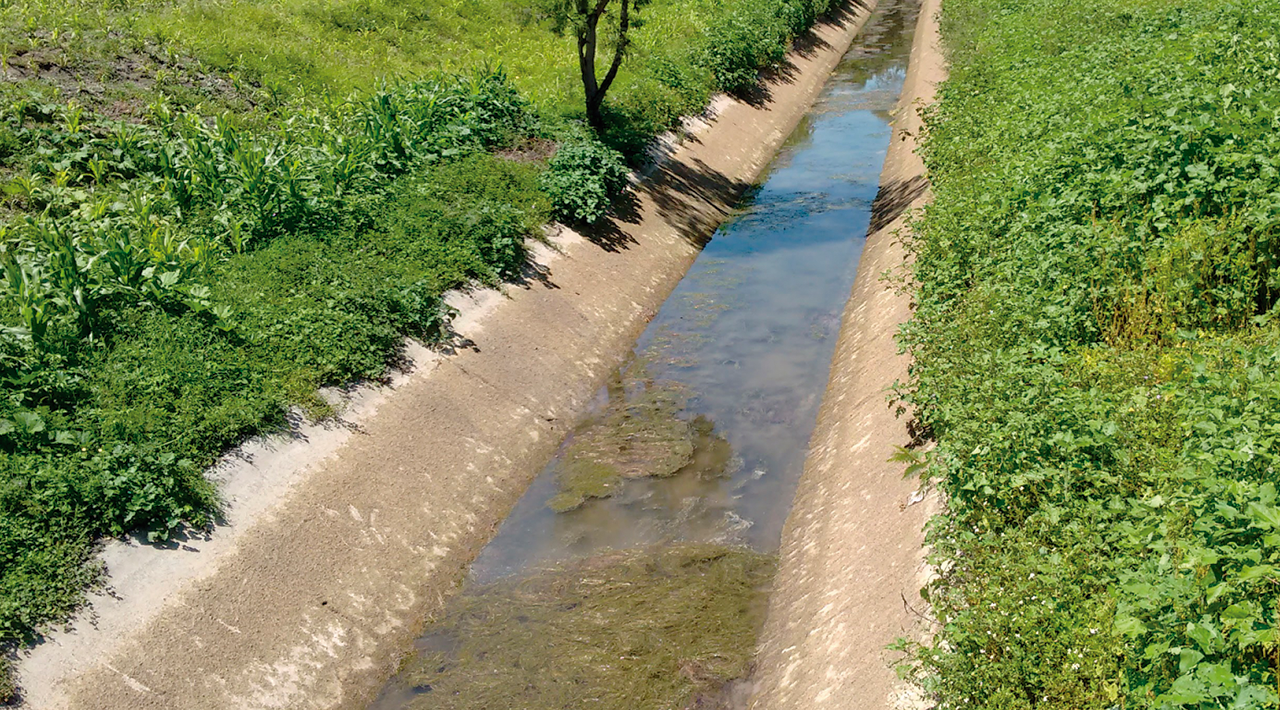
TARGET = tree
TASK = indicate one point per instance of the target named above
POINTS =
(584, 17)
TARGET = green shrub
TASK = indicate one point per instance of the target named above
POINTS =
(583, 178)
(799, 15)
(640, 114)
(654, 102)
(481, 209)
(742, 42)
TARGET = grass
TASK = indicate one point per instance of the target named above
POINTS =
(211, 209)
(274, 53)
(1095, 353)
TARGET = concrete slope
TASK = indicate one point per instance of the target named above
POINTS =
(342, 539)
(851, 549)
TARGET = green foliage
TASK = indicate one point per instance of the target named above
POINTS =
(583, 178)
(111, 435)
(753, 36)
(1095, 354)
(743, 42)
(652, 105)
(136, 213)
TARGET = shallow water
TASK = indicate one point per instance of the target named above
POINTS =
(739, 355)
(749, 334)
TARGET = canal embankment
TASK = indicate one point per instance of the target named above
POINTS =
(635, 570)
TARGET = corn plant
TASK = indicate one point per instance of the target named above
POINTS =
(27, 293)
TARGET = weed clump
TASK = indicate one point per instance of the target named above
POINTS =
(583, 180)
(665, 628)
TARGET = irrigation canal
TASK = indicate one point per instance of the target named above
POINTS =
(669, 497)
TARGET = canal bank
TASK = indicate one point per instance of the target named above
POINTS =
(340, 539)
(852, 562)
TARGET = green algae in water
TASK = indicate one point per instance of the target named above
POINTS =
(640, 434)
(656, 628)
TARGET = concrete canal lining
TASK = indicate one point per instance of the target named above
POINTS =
(851, 556)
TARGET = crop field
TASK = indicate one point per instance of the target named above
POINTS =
(1097, 356)
(212, 209)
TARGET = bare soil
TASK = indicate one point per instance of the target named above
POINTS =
(852, 562)
(341, 540)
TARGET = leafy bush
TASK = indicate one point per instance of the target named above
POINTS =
(648, 107)
(799, 15)
(753, 36)
(742, 42)
(1095, 353)
(583, 178)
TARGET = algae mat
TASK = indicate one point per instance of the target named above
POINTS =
(639, 433)
(653, 628)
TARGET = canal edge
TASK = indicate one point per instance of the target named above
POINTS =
(307, 601)
(852, 560)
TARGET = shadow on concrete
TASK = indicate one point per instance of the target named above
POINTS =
(608, 234)
(893, 199)
(693, 197)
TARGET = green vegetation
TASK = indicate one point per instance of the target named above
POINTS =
(1096, 355)
(666, 628)
(582, 179)
(211, 209)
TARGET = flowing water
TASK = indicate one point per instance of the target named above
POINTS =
(698, 442)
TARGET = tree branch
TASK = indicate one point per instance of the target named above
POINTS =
(623, 24)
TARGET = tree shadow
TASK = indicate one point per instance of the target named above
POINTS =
(532, 272)
(608, 233)
(807, 45)
(693, 197)
(895, 198)
(843, 13)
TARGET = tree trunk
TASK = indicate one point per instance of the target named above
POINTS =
(588, 40)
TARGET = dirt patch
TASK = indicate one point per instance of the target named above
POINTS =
(664, 628)
(120, 85)
(529, 150)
